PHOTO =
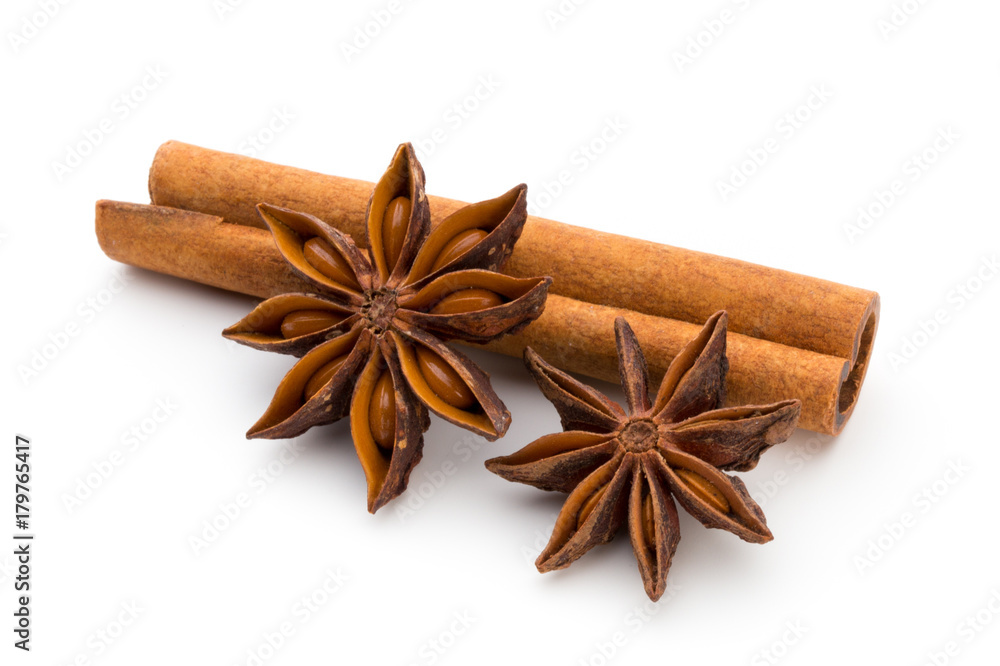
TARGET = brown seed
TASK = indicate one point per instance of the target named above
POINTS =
(458, 246)
(329, 262)
(303, 322)
(395, 221)
(648, 522)
(467, 300)
(588, 506)
(443, 380)
(322, 376)
(700, 486)
(382, 412)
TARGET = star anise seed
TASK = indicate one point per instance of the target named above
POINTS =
(371, 336)
(630, 467)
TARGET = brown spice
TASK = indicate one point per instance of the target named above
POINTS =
(588, 266)
(619, 466)
(369, 329)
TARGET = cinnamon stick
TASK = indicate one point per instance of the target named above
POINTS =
(572, 334)
(592, 266)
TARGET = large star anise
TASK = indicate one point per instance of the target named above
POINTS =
(619, 466)
(371, 335)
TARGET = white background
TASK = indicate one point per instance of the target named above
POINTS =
(844, 571)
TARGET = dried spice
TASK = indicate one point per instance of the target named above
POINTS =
(372, 336)
(825, 331)
(629, 467)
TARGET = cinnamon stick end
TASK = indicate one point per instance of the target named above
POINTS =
(855, 371)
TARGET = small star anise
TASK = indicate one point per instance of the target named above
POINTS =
(371, 336)
(616, 465)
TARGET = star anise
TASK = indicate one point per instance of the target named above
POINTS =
(617, 466)
(371, 335)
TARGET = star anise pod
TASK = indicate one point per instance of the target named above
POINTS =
(370, 336)
(617, 466)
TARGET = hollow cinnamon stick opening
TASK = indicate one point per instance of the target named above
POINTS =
(572, 334)
(589, 266)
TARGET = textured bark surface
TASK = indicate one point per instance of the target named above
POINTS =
(573, 335)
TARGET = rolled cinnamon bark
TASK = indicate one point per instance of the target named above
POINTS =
(591, 266)
(572, 334)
